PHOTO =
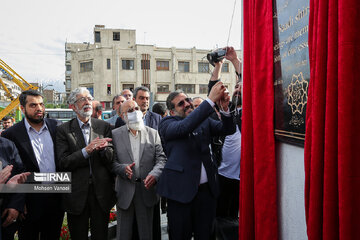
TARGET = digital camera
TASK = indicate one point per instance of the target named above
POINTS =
(216, 56)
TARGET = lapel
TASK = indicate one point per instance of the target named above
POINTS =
(148, 119)
(77, 133)
(24, 140)
(93, 132)
(143, 136)
(51, 129)
(125, 139)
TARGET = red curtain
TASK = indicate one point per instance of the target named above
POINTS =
(332, 142)
(258, 188)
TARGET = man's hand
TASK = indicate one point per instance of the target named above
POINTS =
(149, 181)
(97, 144)
(19, 178)
(12, 215)
(5, 173)
(232, 57)
(128, 170)
(217, 92)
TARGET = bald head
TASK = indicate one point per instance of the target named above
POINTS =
(97, 109)
(126, 106)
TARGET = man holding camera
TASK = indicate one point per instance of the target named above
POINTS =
(189, 178)
(226, 152)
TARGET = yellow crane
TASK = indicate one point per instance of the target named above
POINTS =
(11, 75)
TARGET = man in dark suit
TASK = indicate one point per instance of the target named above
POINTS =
(83, 149)
(189, 179)
(11, 204)
(34, 138)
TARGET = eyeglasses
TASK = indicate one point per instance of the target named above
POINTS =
(84, 99)
(182, 102)
(133, 109)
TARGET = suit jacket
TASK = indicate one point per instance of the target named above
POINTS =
(9, 155)
(152, 160)
(37, 204)
(152, 120)
(70, 141)
(186, 142)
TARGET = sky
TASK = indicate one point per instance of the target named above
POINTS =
(33, 33)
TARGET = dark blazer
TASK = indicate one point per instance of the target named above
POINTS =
(152, 120)
(70, 141)
(37, 204)
(186, 144)
(18, 134)
(9, 155)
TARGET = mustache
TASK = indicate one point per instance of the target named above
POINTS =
(188, 107)
(86, 106)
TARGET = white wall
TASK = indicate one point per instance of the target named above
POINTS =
(291, 180)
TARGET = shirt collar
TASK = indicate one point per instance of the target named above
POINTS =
(29, 127)
(81, 122)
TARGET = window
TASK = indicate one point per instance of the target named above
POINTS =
(68, 56)
(68, 83)
(162, 65)
(146, 85)
(97, 37)
(145, 64)
(108, 63)
(225, 67)
(164, 88)
(86, 66)
(128, 64)
(187, 88)
(203, 88)
(116, 36)
(203, 67)
(108, 105)
(68, 69)
(184, 67)
(128, 86)
(108, 90)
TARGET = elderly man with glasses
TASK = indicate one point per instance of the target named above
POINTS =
(84, 149)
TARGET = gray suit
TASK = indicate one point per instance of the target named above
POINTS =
(133, 197)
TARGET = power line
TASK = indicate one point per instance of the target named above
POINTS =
(231, 22)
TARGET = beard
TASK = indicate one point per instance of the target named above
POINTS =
(83, 113)
(33, 119)
(183, 113)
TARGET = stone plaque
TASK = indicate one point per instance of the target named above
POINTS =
(291, 68)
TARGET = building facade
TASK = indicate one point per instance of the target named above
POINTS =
(115, 62)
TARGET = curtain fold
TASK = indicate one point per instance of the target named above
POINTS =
(332, 141)
(258, 188)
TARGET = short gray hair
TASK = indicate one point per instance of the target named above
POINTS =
(75, 92)
(194, 98)
(116, 97)
(141, 88)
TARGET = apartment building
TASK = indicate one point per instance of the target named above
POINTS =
(115, 62)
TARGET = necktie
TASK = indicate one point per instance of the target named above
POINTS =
(86, 132)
